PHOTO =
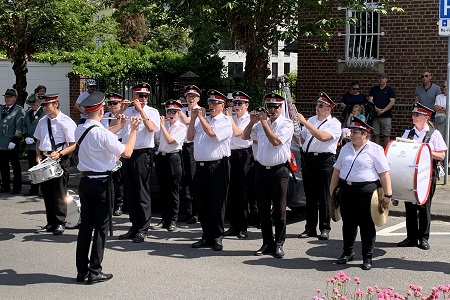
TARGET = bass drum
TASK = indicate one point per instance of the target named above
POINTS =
(73, 217)
(411, 170)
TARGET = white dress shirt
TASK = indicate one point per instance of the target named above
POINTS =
(332, 126)
(236, 141)
(144, 138)
(213, 148)
(268, 154)
(63, 130)
(178, 132)
(436, 142)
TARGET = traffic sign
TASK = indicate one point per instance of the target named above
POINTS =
(444, 27)
(444, 9)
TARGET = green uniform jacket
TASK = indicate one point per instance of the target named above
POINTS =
(11, 126)
(29, 124)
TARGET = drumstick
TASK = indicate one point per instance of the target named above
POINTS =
(126, 118)
(405, 140)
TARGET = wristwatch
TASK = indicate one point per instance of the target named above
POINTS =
(388, 196)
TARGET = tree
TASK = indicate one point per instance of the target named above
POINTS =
(28, 27)
(256, 25)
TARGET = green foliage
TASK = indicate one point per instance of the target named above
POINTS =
(113, 64)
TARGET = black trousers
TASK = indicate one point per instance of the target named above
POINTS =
(187, 180)
(117, 179)
(418, 217)
(211, 187)
(55, 193)
(271, 190)
(316, 181)
(94, 217)
(7, 156)
(168, 172)
(355, 211)
(241, 162)
(31, 163)
(136, 175)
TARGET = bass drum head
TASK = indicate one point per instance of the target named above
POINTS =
(73, 217)
(423, 174)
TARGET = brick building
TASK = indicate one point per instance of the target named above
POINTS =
(410, 44)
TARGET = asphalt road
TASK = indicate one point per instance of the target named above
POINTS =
(42, 266)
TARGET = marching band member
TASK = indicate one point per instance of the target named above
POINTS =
(114, 103)
(192, 94)
(136, 170)
(274, 134)
(418, 218)
(320, 135)
(10, 135)
(98, 152)
(211, 137)
(361, 168)
(55, 139)
(168, 164)
(241, 162)
(32, 117)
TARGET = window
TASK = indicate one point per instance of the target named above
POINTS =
(287, 68)
(363, 36)
(275, 48)
(274, 70)
(235, 68)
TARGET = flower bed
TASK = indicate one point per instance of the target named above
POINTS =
(339, 288)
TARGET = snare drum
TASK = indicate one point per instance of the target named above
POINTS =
(73, 217)
(411, 170)
(46, 170)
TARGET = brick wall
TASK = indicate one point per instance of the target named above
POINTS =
(76, 87)
(410, 45)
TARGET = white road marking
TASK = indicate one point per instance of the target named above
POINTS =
(389, 231)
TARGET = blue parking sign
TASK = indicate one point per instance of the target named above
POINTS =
(444, 9)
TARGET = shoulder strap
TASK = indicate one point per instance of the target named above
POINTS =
(411, 134)
(84, 135)
(312, 137)
(427, 137)
(50, 134)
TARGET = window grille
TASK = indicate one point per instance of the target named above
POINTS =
(362, 36)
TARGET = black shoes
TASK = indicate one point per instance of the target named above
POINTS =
(118, 211)
(218, 246)
(345, 258)
(96, 278)
(202, 244)
(324, 235)
(172, 227)
(46, 228)
(59, 229)
(4, 190)
(129, 235)
(82, 276)
(242, 234)
(423, 244)
(31, 192)
(279, 253)
(306, 234)
(265, 249)
(139, 237)
(192, 220)
(407, 243)
(15, 192)
(367, 264)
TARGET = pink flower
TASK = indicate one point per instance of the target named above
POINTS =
(318, 291)
(370, 289)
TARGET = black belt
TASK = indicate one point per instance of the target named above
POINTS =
(92, 173)
(242, 150)
(143, 150)
(319, 154)
(188, 144)
(348, 182)
(168, 154)
(272, 167)
(209, 162)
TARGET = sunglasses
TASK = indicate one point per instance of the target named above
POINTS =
(143, 96)
(171, 112)
(238, 103)
(416, 114)
(319, 105)
(113, 103)
(46, 104)
(425, 76)
(211, 101)
(355, 89)
(273, 106)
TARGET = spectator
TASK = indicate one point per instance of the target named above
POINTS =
(439, 107)
(91, 86)
(357, 112)
(427, 92)
(350, 98)
(383, 98)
